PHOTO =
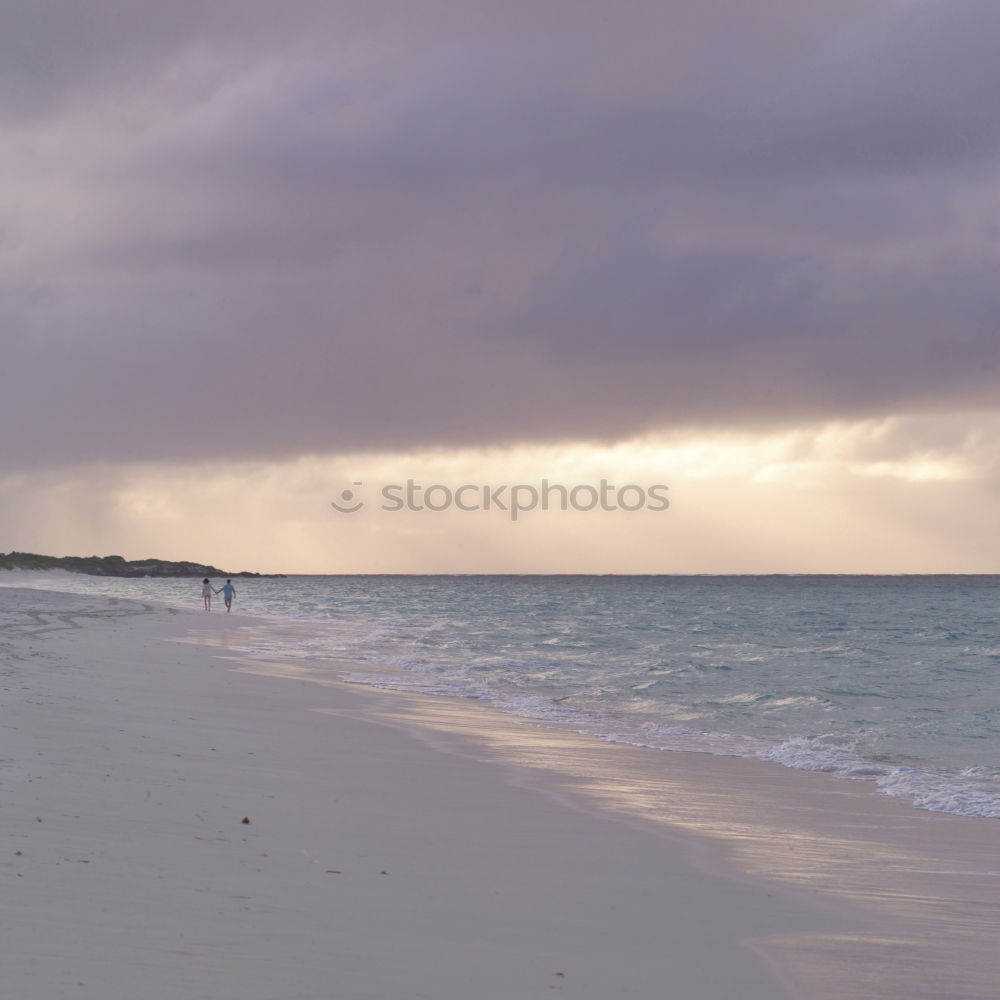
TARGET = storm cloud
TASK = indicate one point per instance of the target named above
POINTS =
(245, 229)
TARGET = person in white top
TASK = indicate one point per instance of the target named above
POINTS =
(206, 592)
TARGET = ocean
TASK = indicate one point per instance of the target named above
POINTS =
(889, 679)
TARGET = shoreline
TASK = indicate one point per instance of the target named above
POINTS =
(714, 859)
(963, 785)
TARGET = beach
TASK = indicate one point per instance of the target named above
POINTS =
(182, 820)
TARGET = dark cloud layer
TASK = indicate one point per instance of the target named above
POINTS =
(242, 228)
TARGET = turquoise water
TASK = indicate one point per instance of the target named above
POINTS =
(895, 680)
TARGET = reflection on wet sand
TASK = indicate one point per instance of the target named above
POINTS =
(923, 888)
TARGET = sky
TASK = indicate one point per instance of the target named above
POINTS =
(254, 255)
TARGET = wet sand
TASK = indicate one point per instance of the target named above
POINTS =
(402, 846)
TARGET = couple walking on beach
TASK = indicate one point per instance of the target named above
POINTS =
(227, 590)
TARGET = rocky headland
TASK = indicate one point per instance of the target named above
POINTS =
(117, 566)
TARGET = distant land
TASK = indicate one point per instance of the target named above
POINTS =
(116, 566)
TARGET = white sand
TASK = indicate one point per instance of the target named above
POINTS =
(406, 847)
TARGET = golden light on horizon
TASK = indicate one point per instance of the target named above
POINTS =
(837, 497)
